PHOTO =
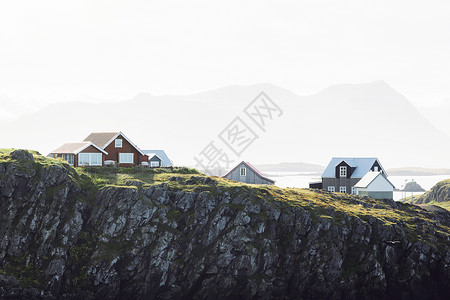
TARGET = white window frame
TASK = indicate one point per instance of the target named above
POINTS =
(353, 190)
(118, 143)
(331, 189)
(342, 171)
(124, 158)
(89, 159)
(243, 171)
(375, 169)
(343, 189)
(70, 158)
(154, 164)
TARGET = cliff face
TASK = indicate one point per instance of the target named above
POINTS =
(438, 193)
(197, 237)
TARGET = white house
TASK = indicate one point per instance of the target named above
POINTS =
(343, 173)
(375, 185)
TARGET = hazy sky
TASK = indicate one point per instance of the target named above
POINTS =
(70, 50)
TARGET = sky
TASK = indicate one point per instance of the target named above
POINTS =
(106, 50)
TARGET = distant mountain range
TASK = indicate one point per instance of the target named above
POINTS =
(291, 167)
(417, 172)
(345, 120)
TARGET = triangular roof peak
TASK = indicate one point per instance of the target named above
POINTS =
(103, 139)
(369, 178)
(75, 148)
(250, 166)
(362, 165)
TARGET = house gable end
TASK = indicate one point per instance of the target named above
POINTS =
(248, 167)
(380, 183)
(127, 147)
(91, 149)
(154, 158)
(343, 163)
(377, 164)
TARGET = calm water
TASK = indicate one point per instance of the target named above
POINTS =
(291, 179)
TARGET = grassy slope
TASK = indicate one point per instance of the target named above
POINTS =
(439, 195)
(320, 204)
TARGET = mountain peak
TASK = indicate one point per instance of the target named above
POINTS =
(379, 89)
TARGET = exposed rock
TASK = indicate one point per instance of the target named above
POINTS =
(413, 186)
(438, 193)
(22, 155)
(59, 240)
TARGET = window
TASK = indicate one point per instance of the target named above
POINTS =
(343, 171)
(126, 158)
(342, 189)
(243, 171)
(68, 158)
(331, 189)
(154, 164)
(90, 159)
(118, 143)
(375, 169)
(353, 191)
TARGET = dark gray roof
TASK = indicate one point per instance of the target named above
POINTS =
(251, 167)
(362, 165)
(165, 160)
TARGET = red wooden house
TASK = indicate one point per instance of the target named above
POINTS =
(104, 148)
(80, 154)
(119, 148)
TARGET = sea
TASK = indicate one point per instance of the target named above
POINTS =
(302, 180)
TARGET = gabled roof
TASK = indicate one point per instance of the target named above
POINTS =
(151, 155)
(369, 178)
(103, 139)
(248, 165)
(75, 148)
(362, 165)
(165, 160)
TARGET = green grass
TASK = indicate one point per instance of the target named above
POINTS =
(322, 206)
(439, 195)
(136, 176)
(25, 272)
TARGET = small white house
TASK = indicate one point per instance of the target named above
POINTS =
(375, 185)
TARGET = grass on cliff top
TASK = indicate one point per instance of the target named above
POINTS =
(26, 165)
(134, 176)
(440, 189)
(321, 204)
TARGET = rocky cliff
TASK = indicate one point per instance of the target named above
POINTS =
(67, 233)
(439, 195)
(413, 186)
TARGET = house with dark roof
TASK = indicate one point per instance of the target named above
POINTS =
(375, 185)
(161, 154)
(154, 161)
(102, 148)
(343, 173)
(80, 154)
(246, 173)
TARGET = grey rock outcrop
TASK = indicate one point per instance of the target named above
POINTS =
(60, 240)
(439, 193)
